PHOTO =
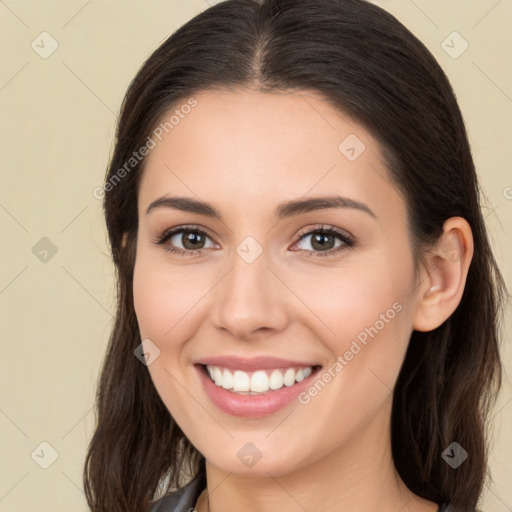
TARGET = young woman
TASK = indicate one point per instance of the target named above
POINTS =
(308, 303)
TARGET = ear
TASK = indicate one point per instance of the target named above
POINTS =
(444, 277)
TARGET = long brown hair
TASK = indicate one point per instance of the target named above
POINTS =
(369, 66)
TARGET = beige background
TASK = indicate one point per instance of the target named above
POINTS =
(57, 125)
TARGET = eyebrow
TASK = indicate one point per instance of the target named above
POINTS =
(284, 210)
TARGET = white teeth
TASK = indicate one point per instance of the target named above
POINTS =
(217, 376)
(260, 381)
(227, 379)
(289, 377)
(276, 380)
(240, 381)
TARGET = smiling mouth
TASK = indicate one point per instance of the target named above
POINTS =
(257, 382)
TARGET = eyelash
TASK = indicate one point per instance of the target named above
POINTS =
(348, 241)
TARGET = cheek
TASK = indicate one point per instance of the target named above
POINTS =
(356, 305)
(164, 307)
(366, 318)
(367, 321)
(164, 301)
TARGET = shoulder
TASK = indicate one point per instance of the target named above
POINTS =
(183, 500)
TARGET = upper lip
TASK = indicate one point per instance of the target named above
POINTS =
(252, 364)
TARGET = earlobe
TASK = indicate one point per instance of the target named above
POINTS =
(441, 289)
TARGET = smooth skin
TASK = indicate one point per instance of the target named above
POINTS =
(245, 153)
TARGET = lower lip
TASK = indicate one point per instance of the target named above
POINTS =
(252, 406)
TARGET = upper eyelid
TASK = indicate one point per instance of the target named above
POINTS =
(324, 227)
(187, 227)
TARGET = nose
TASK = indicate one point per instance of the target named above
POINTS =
(250, 300)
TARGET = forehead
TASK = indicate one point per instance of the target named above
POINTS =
(248, 147)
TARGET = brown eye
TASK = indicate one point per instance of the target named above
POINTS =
(323, 241)
(185, 240)
(320, 241)
(191, 240)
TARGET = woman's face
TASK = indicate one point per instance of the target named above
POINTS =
(262, 296)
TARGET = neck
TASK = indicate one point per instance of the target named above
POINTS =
(358, 476)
